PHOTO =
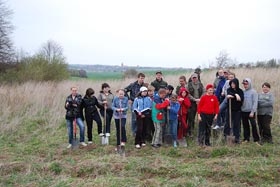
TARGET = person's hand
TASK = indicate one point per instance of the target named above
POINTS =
(139, 113)
(199, 118)
(223, 94)
(74, 105)
(67, 104)
(168, 107)
(215, 117)
(167, 99)
(237, 97)
(197, 100)
(104, 102)
(142, 116)
(130, 102)
(230, 96)
(251, 115)
(118, 110)
(181, 99)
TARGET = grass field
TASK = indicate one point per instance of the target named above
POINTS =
(33, 140)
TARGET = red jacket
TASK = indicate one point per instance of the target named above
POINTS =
(208, 104)
(186, 103)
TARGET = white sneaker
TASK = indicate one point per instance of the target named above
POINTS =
(108, 134)
(143, 145)
(122, 144)
(216, 127)
(90, 142)
(138, 146)
(69, 146)
(101, 134)
(83, 144)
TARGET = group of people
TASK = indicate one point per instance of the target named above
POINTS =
(160, 116)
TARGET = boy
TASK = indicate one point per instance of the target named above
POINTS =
(173, 117)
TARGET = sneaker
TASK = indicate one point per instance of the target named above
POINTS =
(137, 146)
(245, 141)
(83, 144)
(90, 142)
(143, 144)
(108, 134)
(155, 146)
(69, 146)
(123, 144)
(101, 134)
(216, 127)
(175, 144)
(258, 143)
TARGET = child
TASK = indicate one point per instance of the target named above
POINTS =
(142, 107)
(173, 117)
(120, 107)
(89, 103)
(150, 129)
(169, 90)
(236, 95)
(105, 99)
(185, 105)
(208, 109)
(159, 104)
(265, 111)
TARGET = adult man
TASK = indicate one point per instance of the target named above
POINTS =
(183, 84)
(159, 82)
(196, 90)
(198, 72)
(218, 78)
(73, 112)
(133, 89)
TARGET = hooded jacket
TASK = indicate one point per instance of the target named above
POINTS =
(90, 104)
(186, 103)
(235, 105)
(250, 103)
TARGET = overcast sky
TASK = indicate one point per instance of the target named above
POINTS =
(185, 33)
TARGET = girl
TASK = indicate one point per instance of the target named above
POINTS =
(120, 107)
(265, 111)
(105, 99)
(89, 103)
(185, 105)
(173, 117)
(208, 109)
(142, 107)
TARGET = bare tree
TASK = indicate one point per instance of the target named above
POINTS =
(223, 59)
(6, 29)
(52, 52)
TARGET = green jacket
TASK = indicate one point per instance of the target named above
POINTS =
(158, 107)
(159, 84)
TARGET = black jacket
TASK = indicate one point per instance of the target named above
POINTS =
(90, 104)
(235, 105)
(72, 111)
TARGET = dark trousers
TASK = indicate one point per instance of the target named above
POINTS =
(141, 129)
(246, 127)
(109, 115)
(264, 127)
(89, 120)
(191, 117)
(123, 122)
(204, 129)
(150, 129)
(236, 124)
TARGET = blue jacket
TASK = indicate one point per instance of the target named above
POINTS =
(141, 104)
(173, 111)
(120, 103)
(219, 89)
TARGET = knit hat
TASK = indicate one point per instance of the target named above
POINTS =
(209, 86)
(143, 88)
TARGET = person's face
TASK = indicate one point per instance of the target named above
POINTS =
(162, 95)
(210, 91)
(184, 93)
(150, 93)
(221, 72)
(233, 85)
(182, 82)
(158, 76)
(245, 85)
(265, 89)
(106, 89)
(144, 93)
(173, 99)
(74, 91)
(121, 94)
(141, 80)
(226, 74)
(194, 79)
(230, 77)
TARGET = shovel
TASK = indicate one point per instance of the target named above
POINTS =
(121, 148)
(230, 138)
(75, 142)
(168, 136)
(104, 139)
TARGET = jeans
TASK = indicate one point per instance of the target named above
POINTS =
(236, 120)
(89, 120)
(222, 113)
(70, 128)
(246, 127)
(133, 122)
(173, 128)
(123, 138)
(109, 115)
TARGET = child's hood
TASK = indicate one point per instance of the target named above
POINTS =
(182, 90)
